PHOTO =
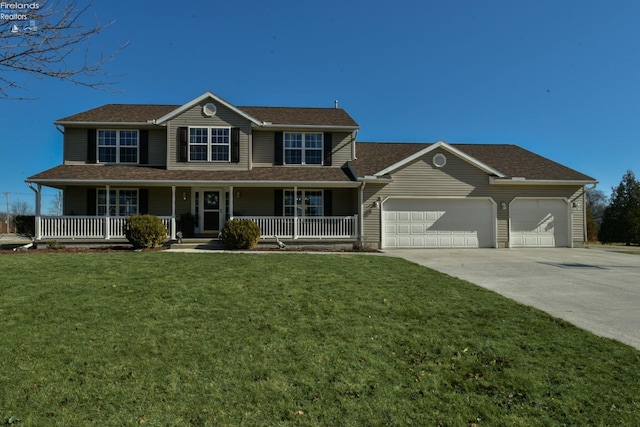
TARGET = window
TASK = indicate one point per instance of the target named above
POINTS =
(121, 202)
(118, 146)
(307, 203)
(209, 144)
(302, 148)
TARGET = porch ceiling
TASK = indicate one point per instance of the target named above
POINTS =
(152, 176)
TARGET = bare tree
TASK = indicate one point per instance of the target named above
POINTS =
(47, 39)
(55, 207)
(20, 208)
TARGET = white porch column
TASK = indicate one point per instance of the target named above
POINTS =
(107, 220)
(230, 201)
(38, 230)
(172, 232)
(295, 212)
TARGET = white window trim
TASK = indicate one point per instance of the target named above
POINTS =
(117, 146)
(209, 144)
(116, 206)
(301, 204)
(302, 148)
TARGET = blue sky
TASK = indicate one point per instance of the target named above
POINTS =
(560, 78)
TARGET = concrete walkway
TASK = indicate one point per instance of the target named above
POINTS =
(595, 289)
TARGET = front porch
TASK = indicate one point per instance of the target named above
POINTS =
(109, 227)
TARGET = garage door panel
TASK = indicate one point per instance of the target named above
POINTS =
(441, 223)
(539, 223)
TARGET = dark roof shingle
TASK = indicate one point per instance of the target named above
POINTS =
(301, 116)
(121, 113)
(143, 113)
(118, 173)
(511, 160)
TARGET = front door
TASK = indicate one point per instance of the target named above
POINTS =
(210, 211)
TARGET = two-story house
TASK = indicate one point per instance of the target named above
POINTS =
(300, 174)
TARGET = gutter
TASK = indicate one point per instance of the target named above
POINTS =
(279, 126)
(523, 181)
(96, 124)
(162, 183)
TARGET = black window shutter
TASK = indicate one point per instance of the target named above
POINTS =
(92, 201)
(143, 201)
(277, 154)
(92, 146)
(183, 143)
(144, 147)
(328, 148)
(328, 202)
(235, 145)
(278, 202)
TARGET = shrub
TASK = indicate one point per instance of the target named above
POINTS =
(240, 234)
(54, 244)
(25, 226)
(145, 231)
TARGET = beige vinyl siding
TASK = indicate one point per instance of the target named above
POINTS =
(160, 201)
(157, 147)
(182, 206)
(341, 152)
(264, 147)
(75, 146)
(345, 201)
(458, 178)
(194, 118)
(260, 201)
(74, 201)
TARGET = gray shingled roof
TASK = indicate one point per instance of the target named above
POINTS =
(142, 113)
(120, 173)
(511, 160)
(301, 116)
(121, 113)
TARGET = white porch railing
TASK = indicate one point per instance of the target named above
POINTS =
(320, 227)
(87, 227)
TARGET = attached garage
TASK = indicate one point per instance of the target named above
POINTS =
(539, 223)
(438, 223)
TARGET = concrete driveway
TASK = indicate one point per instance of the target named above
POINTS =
(595, 289)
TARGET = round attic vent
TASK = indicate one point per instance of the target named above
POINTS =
(209, 110)
(439, 160)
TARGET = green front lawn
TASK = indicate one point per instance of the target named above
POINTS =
(172, 339)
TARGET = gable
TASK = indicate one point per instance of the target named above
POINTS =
(421, 177)
(502, 161)
(440, 146)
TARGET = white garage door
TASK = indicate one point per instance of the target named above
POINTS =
(539, 223)
(438, 223)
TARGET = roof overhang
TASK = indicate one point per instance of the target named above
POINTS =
(203, 183)
(441, 144)
(103, 124)
(524, 181)
(284, 127)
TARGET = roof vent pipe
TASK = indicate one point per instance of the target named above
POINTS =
(335, 104)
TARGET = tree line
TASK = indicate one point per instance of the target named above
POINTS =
(616, 220)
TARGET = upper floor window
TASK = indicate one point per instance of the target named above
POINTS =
(118, 146)
(302, 148)
(209, 144)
